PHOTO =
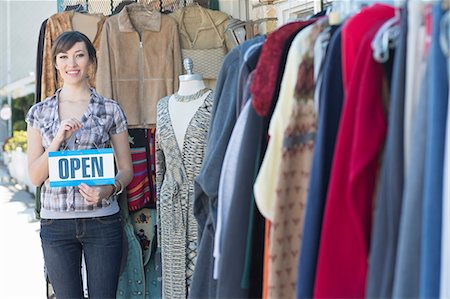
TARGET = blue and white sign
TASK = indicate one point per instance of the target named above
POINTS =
(71, 168)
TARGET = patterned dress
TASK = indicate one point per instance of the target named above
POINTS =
(292, 188)
(175, 173)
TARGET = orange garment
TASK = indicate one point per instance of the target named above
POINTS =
(57, 24)
(266, 262)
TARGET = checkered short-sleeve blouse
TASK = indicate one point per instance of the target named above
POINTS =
(102, 119)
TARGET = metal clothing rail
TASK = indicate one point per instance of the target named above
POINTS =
(108, 7)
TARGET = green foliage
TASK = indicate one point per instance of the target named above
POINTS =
(19, 139)
(20, 108)
(20, 126)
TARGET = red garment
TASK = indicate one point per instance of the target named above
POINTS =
(138, 191)
(343, 254)
(267, 70)
(353, 32)
(141, 191)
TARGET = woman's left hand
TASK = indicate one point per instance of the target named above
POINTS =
(94, 194)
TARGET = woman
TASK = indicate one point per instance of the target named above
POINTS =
(81, 218)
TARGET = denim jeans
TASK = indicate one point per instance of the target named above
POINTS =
(64, 240)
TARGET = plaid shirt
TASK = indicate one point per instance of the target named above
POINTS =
(103, 118)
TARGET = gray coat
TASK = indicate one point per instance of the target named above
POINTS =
(384, 241)
(207, 182)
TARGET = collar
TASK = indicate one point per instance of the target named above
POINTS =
(64, 20)
(54, 108)
(151, 22)
(208, 18)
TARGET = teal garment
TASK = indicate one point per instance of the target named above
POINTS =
(214, 5)
(137, 281)
(131, 281)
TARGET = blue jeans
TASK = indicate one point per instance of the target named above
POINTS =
(63, 241)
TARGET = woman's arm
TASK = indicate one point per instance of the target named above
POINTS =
(124, 170)
(38, 157)
(122, 154)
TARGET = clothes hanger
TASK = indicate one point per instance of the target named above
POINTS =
(341, 10)
(239, 31)
(143, 6)
(445, 34)
(121, 6)
(385, 38)
(76, 8)
(387, 34)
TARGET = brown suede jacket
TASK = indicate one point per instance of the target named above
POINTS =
(140, 61)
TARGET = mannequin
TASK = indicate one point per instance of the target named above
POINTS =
(182, 126)
(181, 113)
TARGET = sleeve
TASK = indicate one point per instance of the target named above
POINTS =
(160, 171)
(120, 123)
(269, 174)
(32, 117)
(177, 62)
(104, 77)
(39, 58)
(48, 85)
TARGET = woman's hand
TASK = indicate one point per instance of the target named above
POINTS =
(67, 128)
(94, 194)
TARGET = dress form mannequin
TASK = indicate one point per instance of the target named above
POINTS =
(182, 127)
(181, 113)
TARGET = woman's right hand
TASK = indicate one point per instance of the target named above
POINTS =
(67, 128)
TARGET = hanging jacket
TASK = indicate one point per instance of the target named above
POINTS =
(202, 38)
(57, 24)
(140, 61)
(437, 96)
(137, 280)
(385, 233)
(345, 239)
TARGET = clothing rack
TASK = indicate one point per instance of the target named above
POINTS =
(108, 7)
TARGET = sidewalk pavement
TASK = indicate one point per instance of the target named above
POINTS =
(21, 260)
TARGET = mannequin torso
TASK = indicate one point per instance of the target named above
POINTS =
(181, 113)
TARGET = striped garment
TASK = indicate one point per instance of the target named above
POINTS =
(141, 192)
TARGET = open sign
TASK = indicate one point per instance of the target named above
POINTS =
(71, 168)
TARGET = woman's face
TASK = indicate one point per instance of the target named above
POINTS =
(73, 64)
